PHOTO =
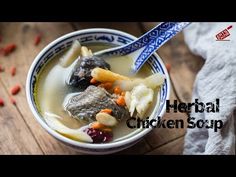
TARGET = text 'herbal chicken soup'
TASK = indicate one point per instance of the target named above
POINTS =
(89, 99)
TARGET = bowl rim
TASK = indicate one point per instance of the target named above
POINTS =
(64, 139)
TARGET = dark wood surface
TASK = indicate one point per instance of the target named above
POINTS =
(19, 131)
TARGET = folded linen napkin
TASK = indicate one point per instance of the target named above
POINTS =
(216, 79)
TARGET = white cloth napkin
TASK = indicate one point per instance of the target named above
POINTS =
(216, 79)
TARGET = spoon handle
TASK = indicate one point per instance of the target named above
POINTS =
(155, 33)
(159, 36)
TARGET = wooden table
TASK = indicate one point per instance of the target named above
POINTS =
(19, 131)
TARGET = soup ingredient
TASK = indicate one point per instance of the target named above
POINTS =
(13, 70)
(103, 75)
(85, 52)
(106, 119)
(1, 102)
(99, 136)
(120, 101)
(81, 73)
(9, 49)
(117, 90)
(93, 81)
(97, 125)
(128, 99)
(76, 134)
(106, 85)
(108, 111)
(122, 94)
(13, 101)
(139, 99)
(107, 130)
(85, 105)
(71, 54)
(152, 82)
(14, 90)
(37, 39)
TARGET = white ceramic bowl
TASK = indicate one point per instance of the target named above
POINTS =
(103, 36)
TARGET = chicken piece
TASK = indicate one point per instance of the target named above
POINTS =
(85, 105)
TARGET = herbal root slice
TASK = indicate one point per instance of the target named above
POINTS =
(106, 119)
(71, 54)
(103, 75)
(76, 134)
(152, 82)
(85, 52)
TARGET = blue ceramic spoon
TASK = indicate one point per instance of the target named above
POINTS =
(142, 48)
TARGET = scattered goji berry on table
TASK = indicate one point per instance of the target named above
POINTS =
(14, 90)
(9, 48)
(1, 102)
(37, 39)
(13, 70)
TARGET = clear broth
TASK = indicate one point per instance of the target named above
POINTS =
(51, 90)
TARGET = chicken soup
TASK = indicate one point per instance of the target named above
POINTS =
(89, 99)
